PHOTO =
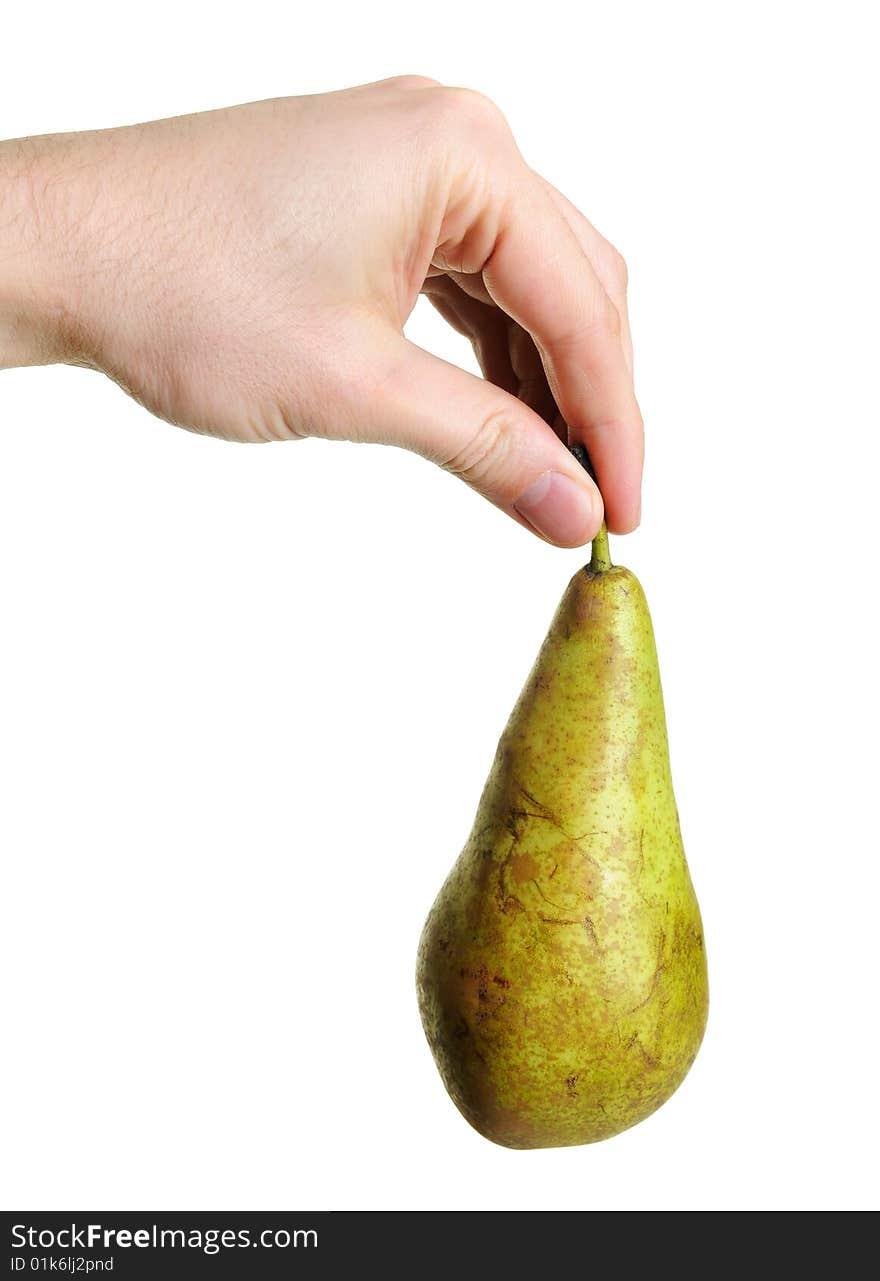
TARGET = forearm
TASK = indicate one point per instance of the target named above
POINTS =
(35, 326)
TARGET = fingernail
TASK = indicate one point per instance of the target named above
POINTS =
(559, 508)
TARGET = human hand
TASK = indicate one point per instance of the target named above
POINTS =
(247, 273)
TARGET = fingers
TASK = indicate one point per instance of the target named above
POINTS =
(482, 434)
(507, 354)
(484, 324)
(539, 274)
(606, 261)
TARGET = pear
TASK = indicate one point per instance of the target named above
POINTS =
(561, 972)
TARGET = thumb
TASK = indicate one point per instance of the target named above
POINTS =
(489, 438)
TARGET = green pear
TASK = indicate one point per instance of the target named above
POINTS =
(561, 972)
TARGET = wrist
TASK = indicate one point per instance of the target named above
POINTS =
(36, 325)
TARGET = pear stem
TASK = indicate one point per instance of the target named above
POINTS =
(600, 561)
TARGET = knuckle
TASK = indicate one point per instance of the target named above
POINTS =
(592, 330)
(486, 450)
(611, 320)
(413, 82)
(619, 269)
(473, 110)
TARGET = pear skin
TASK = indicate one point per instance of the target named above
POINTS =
(561, 972)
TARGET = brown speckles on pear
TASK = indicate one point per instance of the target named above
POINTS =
(523, 868)
(561, 973)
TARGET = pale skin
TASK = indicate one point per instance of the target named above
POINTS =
(247, 274)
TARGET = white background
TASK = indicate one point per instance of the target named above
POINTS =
(249, 695)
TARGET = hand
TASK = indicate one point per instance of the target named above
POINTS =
(247, 273)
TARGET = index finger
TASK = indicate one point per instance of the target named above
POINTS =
(538, 273)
